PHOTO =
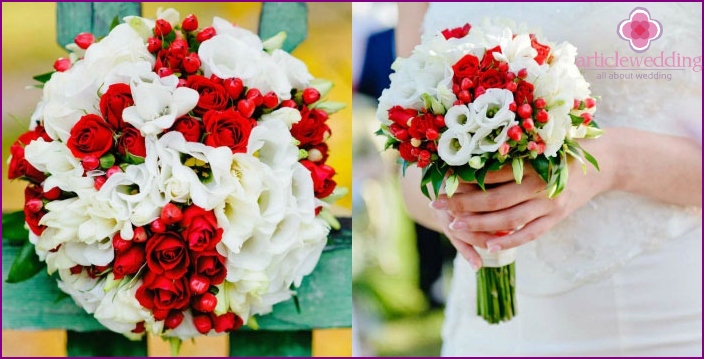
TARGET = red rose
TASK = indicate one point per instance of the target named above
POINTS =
(201, 230)
(318, 153)
(161, 294)
(90, 136)
(113, 102)
(19, 166)
(165, 59)
(405, 150)
(33, 192)
(131, 141)
(421, 124)
(524, 93)
(227, 128)
(323, 184)
(488, 59)
(311, 129)
(492, 79)
(467, 67)
(167, 255)
(213, 95)
(400, 115)
(458, 32)
(543, 50)
(210, 264)
(190, 127)
(129, 261)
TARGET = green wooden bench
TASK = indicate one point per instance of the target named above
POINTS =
(325, 297)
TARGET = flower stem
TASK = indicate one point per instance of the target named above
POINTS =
(496, 298)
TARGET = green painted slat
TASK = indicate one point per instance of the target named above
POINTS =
(103, 343)
(325, 296)
(289, 344)
(73, 18)
(291, 17)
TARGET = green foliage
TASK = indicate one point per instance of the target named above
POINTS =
(13, 227)
(25, 265)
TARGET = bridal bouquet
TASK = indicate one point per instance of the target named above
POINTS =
(177, 176)
(471, 100)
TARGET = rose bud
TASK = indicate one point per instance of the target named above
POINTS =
(515, 133)
(542, 116)
(190, 23)
(234, 87)
(153, 44)
(140, 235)
(173, 320)
(522, 73)
(576, 104)
(206, 302)
(162, 27)
(34, 205)
(178, 48)
(119, 244)
(226, 322)
(246, 108)
(129, 261)
(504, 148)
(590, 102)
(90, 163)
(540, 103)
(53, 194)
(99, 182)
(289, 103)
(171, 214)
(84, 39)
(199, 284)
(310, 95)
(270, 100)
(62, 64)
(158, 226)
(525, 110)
(587, 118)
(205, 34)
(202, 323)
(255, 96)
(528, 124)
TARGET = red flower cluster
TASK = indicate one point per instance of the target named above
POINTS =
(458, 32)
(417, 132)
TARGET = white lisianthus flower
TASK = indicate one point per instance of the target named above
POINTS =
(461, 118)
(120, 310)
(273, 144)
(444, 92)
(87, 292)
(554, 132)
(224, 27)
(455, 146)
(289, 116)
(158, 103)
(295, 69)
(99, 253)
(514, 48)
(123, 44)
(63, 220)
(55, 158)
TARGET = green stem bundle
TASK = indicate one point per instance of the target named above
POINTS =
(496, 293)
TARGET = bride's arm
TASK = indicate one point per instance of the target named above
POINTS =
(409, 27)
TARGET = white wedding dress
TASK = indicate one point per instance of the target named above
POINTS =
(622, 275)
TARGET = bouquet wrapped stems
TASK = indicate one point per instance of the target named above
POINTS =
(496, 286)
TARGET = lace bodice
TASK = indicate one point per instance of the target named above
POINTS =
(614, 227)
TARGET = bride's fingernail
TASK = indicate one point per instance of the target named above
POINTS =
(494, 248)
(457, 225)
(475, 266)
(439, 203)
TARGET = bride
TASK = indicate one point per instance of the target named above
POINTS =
(613, 265)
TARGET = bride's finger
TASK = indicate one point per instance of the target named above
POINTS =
(504, 220)
(502, 197)
(468, 252)
(524, 235)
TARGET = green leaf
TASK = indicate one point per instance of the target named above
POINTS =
(61, 296)
(541, 165)
(43, 78)
(13, 227)
(436, 178)
(297, 304)
(591, 159)
(390, 142)
(451, 184)
(481, 174)
(25, 265)
(135, 160)
(576, 120)
(405, 165)
(379, 132)
(115, 22)
(466, 173)
(517, 165)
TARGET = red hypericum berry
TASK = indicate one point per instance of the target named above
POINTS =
(504, 148)
(524, 111)
(140, 235)
(84, 39)
(53, 194)
(456, 88)
(178, 48)
(171, 214)
(164, 71)
(576, 104)
(424, 155)
(199, 284)
(160, 314)
(423, 163)
(226, 322)
(439, 121)
(479, 91)
(587, 118)
(515, 133)
(590, 102)
(289, 103)
(401, 135)
(511, 86)
(158, 226)
(62, 64)
(457, 103)
(466, 84)
(532, 146)
(255, 96)
(202, 323)
(528, 125)
(182, 83)
(120, 244)
(173, 320)
(90, 163)
(153, 44)
(234, 87)
(139, 328)
(464, 96)
(205, 303)
(503, 67)
(522, 73)
(512, 106)
(432, 134)
(510, 76)
(34, 205)
(246, 108)
(190, 23)
(98, 182)
(191, 63)
(112, 170)
(310, 95)
(542, 116)
(77, 269)
(162, 27)
(270, 100)
(540, 103)
(205, 34)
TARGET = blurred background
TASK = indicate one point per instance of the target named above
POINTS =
(401, 271)
(29, 48)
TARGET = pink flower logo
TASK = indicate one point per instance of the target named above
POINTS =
(639, 29)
